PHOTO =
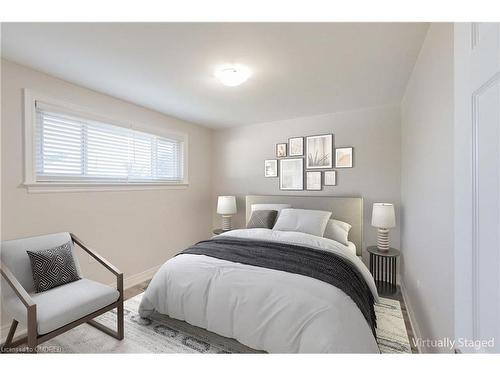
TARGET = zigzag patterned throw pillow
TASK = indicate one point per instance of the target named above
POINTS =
(262, 219)
(53, 267)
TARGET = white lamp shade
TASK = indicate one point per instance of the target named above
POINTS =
(383, 215)
(226, 205)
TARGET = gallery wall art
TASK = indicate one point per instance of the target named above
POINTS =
(296, 146)
(271, 168)
(313, 180)
(292, 174)
(308, 162)
(319, 150)
(281, 150)
(343, 157)
(330, 178)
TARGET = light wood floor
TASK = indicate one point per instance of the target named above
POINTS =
(135, 290)
(138, 289)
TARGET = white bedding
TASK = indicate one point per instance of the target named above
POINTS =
(266, 309)
(352, 247)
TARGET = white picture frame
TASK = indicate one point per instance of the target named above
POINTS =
(330, 178)
(296, 146)
(271, 168)
(343, 157)
(313, 180)
(291, 174)
(319, 150)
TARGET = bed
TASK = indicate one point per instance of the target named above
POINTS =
(276, 291)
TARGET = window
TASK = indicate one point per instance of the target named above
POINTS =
(73, 148)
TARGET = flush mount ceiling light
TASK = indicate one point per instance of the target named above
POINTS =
(233, 74)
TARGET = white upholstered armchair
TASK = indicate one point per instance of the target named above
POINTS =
(55, 311)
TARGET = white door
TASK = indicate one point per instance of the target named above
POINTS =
(477, 186)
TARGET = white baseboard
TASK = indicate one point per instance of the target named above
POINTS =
(127, 283)
(411, 313)
(140, 277)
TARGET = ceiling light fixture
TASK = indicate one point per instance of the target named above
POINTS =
(233, 74)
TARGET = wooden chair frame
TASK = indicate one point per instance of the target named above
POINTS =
(33, 339)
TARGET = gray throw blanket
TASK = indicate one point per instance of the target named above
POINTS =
(318, 264)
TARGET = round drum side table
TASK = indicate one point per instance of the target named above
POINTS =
(383, 267)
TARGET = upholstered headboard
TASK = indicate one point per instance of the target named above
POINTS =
(348, 209)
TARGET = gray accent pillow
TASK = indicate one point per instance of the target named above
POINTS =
(262, 219)
(53, 267)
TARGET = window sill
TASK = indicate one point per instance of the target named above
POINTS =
(62, 187)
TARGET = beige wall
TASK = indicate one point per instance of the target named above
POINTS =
(427, 186)
(136, 230)
(239, 155)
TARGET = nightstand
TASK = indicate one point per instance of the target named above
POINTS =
(383, 267)
(219, 231)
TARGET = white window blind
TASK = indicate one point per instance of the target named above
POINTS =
(72, 148)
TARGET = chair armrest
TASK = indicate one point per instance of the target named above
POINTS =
(96, 256)
(16, 286)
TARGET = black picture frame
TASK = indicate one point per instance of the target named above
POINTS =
(281, 176)
(351, 157)
(275, 161)
(290, 147)
(320, 180)
(309, 164)
(335, 178)
(285, 145)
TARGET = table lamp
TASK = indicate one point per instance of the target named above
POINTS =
(226, 206)
(383, 218)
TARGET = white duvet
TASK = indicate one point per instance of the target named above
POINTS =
(265, 309)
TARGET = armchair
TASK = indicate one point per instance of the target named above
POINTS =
(55, 311)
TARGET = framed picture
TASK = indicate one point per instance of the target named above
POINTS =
(280, 150)
(291, 174)
(319, 151)
(330, 178)
(343, 157)
(313, 180)
(296, 146)
(271, 168)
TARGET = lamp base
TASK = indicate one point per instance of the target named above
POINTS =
(383, 239)
(226, 222)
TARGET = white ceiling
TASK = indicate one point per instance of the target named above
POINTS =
(299, 69)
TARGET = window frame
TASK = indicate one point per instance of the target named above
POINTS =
(30, 176)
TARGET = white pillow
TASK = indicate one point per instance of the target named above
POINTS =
(306, 221)
(338, 230)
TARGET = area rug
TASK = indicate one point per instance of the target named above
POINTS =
(161, 334)
(392, 336)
